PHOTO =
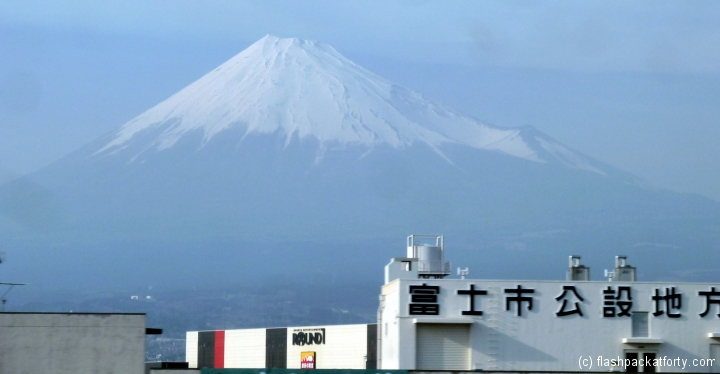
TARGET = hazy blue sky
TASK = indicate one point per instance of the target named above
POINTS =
(634, 84)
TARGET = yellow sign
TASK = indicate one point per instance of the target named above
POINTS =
(307, 360)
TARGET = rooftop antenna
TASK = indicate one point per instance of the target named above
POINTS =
(2, 298)
(610, 275)
(463, 272)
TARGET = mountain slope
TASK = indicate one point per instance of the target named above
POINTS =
(289, 156)
(302, 89)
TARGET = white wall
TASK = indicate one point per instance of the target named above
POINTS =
(345, 347)
(191, 348)
(72, 343)
(389, 344)
(244, 348)
(540, 340)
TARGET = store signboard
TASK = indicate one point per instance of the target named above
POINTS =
(311, 336)
(307, 360)
(615, 301)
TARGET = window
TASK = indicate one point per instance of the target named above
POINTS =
(640, 325)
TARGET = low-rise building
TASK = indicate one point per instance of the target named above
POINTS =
(71, 343)
(301, 347)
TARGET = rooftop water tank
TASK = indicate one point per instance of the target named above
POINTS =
(429, 250)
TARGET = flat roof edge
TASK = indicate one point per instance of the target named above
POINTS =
(80, 313)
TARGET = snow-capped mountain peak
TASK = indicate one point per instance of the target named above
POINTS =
(302, 88)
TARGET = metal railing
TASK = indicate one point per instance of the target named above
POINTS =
(433, 267)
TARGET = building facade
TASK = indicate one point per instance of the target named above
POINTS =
(302, 347)
(427, 322)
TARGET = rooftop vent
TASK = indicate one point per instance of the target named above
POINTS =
(622, 272)
(429, 251)
(576, 271)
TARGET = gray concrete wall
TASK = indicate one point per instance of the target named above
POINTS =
(72, 343)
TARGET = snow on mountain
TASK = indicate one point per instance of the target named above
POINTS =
(202, 181)
(301, 88)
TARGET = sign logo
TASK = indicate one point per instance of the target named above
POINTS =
(308, 336)
(307, 360)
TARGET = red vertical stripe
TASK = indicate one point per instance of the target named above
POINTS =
(219, 349)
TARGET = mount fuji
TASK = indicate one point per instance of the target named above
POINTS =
(305, 89)
(290, 156)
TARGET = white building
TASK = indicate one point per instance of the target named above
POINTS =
(301, 347)
(426, 322)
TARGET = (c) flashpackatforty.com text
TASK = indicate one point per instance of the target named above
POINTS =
(587, 362)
